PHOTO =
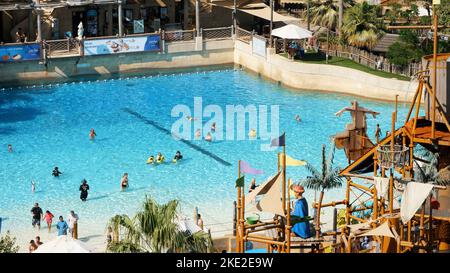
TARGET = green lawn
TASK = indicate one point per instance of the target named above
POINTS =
(317, 58)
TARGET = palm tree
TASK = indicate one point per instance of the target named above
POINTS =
(327, 179)
(325, 12)
(155, 229)
(361, 26)
(429, 173)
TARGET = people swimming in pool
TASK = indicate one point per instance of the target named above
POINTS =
(151, 159)
(159, 158)
(213, 127)
(33, 186)
(124, 181)
(191, 118)
(56, 172)
(208, 137)
(178, 156)
(252, 133)
(10, 149)
(198, 133)
(92, 134)
(84, 187)
(297, 118)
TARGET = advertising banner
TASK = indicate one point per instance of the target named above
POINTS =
(20, 52)
(259, 46)
(122, 45)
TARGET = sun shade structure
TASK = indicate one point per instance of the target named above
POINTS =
(271, 199)
(292, 32)
(258, 9)
(186, 224)
(64, 244)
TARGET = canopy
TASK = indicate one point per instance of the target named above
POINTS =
(257, 9)
(187, 224)
(382, 230)
(292, 32)
(64, 244)
(261, 189)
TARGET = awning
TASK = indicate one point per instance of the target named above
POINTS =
(292, 32)
(293, 1)
(260, 10)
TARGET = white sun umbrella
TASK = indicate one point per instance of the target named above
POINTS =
(187, 224)
(293, 32)
(80, 31)
(64, 244)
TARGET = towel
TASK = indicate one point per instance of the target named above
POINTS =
(412, 198)
(382, 186)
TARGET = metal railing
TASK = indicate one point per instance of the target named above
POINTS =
(372, 60)
(217, 33)
(243, 35)
(59, 48)
(179, 35)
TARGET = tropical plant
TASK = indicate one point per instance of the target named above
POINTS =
(406, 50)
(8, 244)
(322, 181)
(325, 13)
(155, 229)
(362, 26)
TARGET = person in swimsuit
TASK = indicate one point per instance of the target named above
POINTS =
(124, 181)
(56, 172)
(178, 156)
(37, 241)
(208, 137)
(297, 118)
(49, 219)
(33, 186)
(378, 133)
(36, 211)
(32, 247)
(92, 134)
(10, 149)
(213, 127)
(198, 133)
(84, 187)
(252, 185)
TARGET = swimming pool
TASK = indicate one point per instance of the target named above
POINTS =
(49, 126)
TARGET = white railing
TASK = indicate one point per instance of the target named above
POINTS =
(243, 35)
(217, 33)
(179, 35)
(64, 47)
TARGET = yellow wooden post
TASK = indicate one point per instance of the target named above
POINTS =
(238, 227)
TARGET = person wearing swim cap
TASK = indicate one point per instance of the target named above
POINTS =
(178, 156)
(56, 172)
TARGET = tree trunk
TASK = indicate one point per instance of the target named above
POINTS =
(318, 215)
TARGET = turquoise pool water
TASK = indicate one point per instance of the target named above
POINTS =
(49, 126)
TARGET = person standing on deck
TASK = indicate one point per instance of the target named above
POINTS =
(72, 222)
(62, 226)
(378, 133)
(301, 229)
(84, 187)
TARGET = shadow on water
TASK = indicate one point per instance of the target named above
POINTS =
(106, 195)
(13, 96)
(7, 130)
(87, 238)
(168, 132)
(16, 114)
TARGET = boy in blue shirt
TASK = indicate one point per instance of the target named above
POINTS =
(301, 229)
(62, 226)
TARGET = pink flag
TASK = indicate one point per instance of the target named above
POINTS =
(246, 168)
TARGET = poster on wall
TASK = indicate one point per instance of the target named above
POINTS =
(122, 45)
(259, 46)
(138, 26)
(22, 52)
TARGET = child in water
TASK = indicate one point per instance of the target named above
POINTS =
(177, 156)
(208, 137)
(159, 158)
(33, 186)
(124, 181)
(56, 172)
(92, 134)
(10, 149)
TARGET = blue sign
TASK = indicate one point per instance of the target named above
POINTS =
(122, 45)
(20, 52)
